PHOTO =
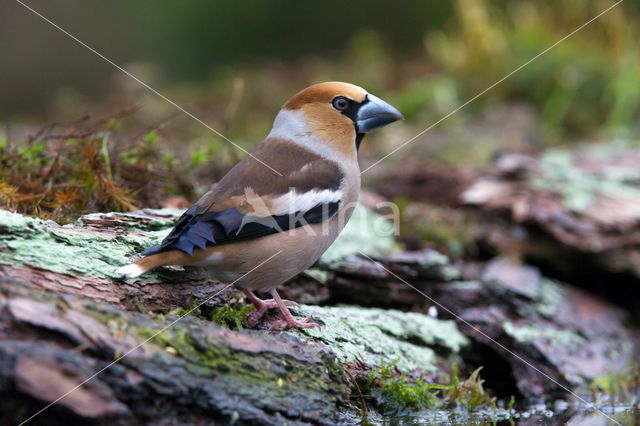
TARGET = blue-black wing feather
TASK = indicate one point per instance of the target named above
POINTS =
(199, 228)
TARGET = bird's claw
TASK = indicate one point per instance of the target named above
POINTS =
(255, 316)
(285, 324)
(258, 312)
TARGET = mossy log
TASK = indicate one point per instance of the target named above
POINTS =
(65, 315)
(571, 211)
(584, 199)
(192, 372)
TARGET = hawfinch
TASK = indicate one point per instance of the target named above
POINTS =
(286, 202)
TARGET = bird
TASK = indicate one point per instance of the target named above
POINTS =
(281, 207)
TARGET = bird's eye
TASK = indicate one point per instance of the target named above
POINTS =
(340, 103)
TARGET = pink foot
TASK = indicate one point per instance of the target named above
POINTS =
(288, 321)
(285, 324)
(261, 307)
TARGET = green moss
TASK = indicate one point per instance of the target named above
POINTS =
(66, 249)
(14, 223)
(373, 336)
(377, 336)
(202, 358)
(69, 250)
(550, 297)
(365, 232)
(579, 186)
(88, 179)
(399, 393)
(527, 333)
(622, 386)
(268, 373)
(232, 315)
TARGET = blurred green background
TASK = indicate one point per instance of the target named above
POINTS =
(234, 63)
(427, 53)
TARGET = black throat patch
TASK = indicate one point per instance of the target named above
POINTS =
(352, 113)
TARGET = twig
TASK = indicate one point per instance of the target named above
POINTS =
(363, 403)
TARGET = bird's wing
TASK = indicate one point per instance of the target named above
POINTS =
(252, 201)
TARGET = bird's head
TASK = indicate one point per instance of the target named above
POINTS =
(334, 113)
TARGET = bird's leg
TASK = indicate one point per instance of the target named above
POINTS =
(288, 320)
(260, 306)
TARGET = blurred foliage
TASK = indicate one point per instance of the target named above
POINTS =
(199, 37)
(622, 386)
(400, 393)
(586, 83)
(446, 229)
(233, 65)
(70, 168)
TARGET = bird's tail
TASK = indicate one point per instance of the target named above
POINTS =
(141, 266)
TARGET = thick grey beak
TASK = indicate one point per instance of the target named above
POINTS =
(375, 113)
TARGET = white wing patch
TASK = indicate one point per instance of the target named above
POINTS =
(289, 203)
(294, 202)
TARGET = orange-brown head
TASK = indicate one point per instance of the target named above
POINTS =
(335, 113)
